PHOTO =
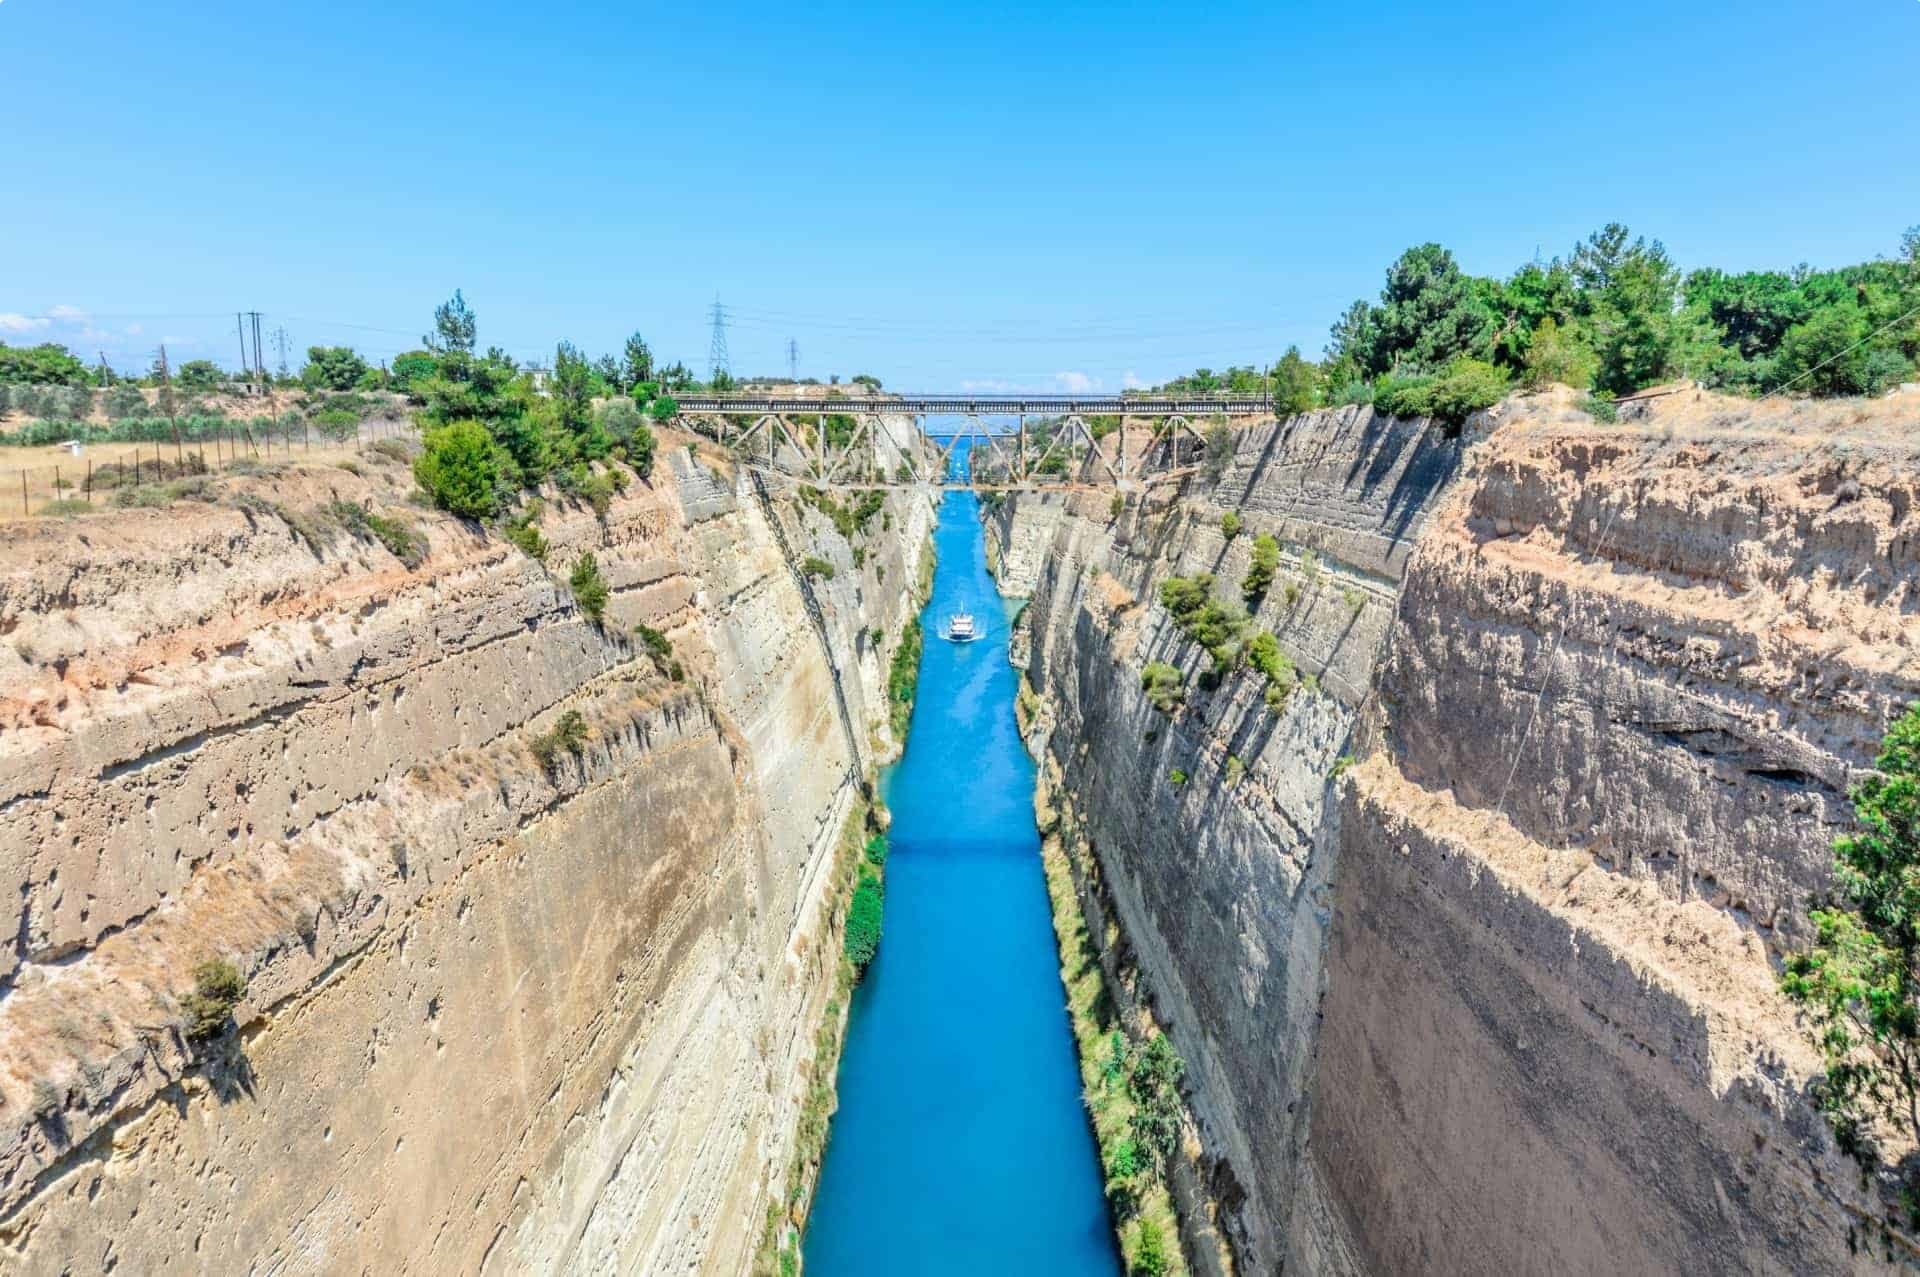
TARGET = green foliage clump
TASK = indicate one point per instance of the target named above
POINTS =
(218, 987)
(1204, 619)
(876, 850)
(1261, 566)
(903, 675)
(1264, 654)
(1230, 524)
(1219, 451)
(63, 507)
(524, 532)
(1150, 1251)
(656, 643)
(1176, 777)
(863, 921)
(1858, 985)
(814, 565)
(459, 469)
(1153, 1083)
(1163, 685)
(567, 736)
(402, 540)
(589, 587)
(328, 368)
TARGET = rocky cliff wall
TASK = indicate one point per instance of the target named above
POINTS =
(1498, 995)
(500, 1016)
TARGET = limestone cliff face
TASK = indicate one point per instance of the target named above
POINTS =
(501, 1015)
(1498, 996)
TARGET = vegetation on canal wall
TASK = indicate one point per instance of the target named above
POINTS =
(1129, 1078)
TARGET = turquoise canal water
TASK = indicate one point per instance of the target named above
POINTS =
(960, 1146)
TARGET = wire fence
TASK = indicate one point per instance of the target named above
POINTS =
(116, 473)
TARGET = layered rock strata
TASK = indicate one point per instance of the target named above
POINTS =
(520, 996)
(1471, 944)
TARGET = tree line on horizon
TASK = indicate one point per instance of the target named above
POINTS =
(1613, 317)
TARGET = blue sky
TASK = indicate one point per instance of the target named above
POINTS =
(1018, 196)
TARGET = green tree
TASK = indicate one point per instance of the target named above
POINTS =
(1825, 355)
(328, 368)
(639, 361)
(589, 587)
(572, 391)
(454, 327)
(459, 469)
(199, 374)
(47, 364)
(864, 917)
(1149, 1251)
(1558, 355)
(1859, 985)
(410, 370)
(1261, 566)
(1297, 384)
(1628, 290)
(1431, 312)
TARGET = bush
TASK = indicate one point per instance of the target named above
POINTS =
(1176, 777)
(663, 408)
(522, 533)
(64, 507)
(863, 922)
(1219, 454)
(401, 540)
(1465, 387)
(655, 642)
(460, 469)
(598, 490)
(876, 850)
(1230, 524)
(589, 587)
(902, 676)
(567, 736)
(1204, 619)
(1265, 561)
(1150, 1251)
(1164, 685)
(218, 987)
(813, 565)
(1602, 410)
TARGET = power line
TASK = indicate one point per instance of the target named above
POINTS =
(717, 362)
(280, 343)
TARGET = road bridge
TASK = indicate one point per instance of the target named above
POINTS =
(1014, 442)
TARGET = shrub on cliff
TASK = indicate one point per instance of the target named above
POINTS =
(460, 469)
(1858, 984)
(1150, 1251)
(218, 987)
(1230, 524)
(589, 587)
(567, 736)
(902, 675)
(863, 922)
(1264, 562)
(1163, 686)
(1153, 1083)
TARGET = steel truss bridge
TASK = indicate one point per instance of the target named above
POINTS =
(890, 444)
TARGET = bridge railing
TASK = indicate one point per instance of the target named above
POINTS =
(990, 405)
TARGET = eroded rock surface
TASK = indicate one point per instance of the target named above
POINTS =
(501, 1015)
(1470, 945)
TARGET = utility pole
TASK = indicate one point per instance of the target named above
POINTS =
(717, 352)
(793, 360)
(280, 344)
(259, 366)
(240, 327)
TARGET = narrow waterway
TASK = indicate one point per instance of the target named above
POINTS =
(960, 1145)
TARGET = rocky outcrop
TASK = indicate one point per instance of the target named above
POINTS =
(517, 1000)
(1470, 944)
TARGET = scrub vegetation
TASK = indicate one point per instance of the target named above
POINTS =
(1130, 1079)
(1859, 985)
(859, 873)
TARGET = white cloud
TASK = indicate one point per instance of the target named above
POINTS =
(1076, 383)
(12, 323)
(134, 330)
(1130, 380)
(67, 314)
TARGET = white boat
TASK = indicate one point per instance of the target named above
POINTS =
(960, 628)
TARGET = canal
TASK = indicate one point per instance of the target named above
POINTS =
(961, 1145)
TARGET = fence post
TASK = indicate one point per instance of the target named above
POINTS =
(23, 493)
(89, 480)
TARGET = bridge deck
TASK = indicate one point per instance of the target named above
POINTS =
(988, 405)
